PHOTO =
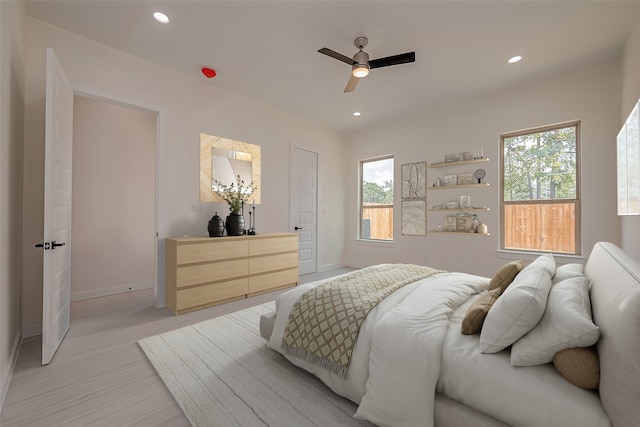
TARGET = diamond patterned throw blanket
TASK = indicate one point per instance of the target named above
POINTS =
(324, 323)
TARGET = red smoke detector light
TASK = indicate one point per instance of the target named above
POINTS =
(208, 72)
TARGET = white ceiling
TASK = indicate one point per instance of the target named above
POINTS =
(267, 50)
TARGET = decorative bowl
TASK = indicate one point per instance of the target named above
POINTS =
(451, 205)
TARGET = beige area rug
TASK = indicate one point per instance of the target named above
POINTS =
(221, 373)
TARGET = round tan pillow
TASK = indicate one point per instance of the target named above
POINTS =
(579, 366)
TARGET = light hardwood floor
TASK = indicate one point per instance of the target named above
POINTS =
(99, 376)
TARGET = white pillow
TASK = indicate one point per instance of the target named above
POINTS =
(567, 271)
(547, 261)
(517, 310)
(566, 323)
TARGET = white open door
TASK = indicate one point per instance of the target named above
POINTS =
(56, 281)
(304, 201)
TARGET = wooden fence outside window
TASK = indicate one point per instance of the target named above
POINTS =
(540, 227)
(377, 222)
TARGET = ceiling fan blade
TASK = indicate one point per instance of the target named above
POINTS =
(402, 58)
(336, 55)
(351, 84)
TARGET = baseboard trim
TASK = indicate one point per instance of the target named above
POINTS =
(104, 292)
(31, 331)
(359, 265)
(330, 267)
(8, 374)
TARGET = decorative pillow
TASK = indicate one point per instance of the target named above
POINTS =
(567, 271)
(579, 366)
(517, 311)
(566, 323)
(505, 275)
(547, 261)
(473, 320)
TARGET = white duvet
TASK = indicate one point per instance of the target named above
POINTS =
(396, 360)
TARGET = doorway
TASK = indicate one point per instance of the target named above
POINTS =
(114, 198)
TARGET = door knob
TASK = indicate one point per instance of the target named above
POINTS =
(298, 228)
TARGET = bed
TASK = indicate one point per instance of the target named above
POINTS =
(527, 331)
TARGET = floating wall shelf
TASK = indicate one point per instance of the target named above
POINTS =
(448, 187)
(459, 232)
(459, 209)
(461, 162)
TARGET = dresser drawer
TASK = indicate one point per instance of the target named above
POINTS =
(203, 273)
(269, 281)
(261, 246)
(208, 294)
(263, 264)
(210, 251)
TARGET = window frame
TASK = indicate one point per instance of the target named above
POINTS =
(577, 202)
(361, 164)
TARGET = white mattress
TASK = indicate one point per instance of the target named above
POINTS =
(519, 396)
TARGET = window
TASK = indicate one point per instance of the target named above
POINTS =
(540, 197)
(376, 199)
(628, 142)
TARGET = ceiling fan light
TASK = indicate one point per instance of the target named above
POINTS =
(360, 70)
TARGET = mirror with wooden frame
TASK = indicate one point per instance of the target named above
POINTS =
(222, 159)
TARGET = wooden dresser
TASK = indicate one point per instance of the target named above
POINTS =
(205, 271)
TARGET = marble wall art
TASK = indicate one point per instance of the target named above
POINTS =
(414, 219)
(414, 180)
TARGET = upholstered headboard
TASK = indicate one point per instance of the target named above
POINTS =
(615, 301)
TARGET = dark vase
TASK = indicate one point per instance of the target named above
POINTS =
(216, 226)
(235, 225)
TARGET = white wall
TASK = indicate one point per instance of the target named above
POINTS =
(12, 15)
(630, 95)
(114, 193)
(591, 95)
(187, 106)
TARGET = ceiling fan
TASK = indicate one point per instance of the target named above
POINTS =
(360, 64)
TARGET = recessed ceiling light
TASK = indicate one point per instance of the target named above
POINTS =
(161, 17)
(514, 59)
(357, 114)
